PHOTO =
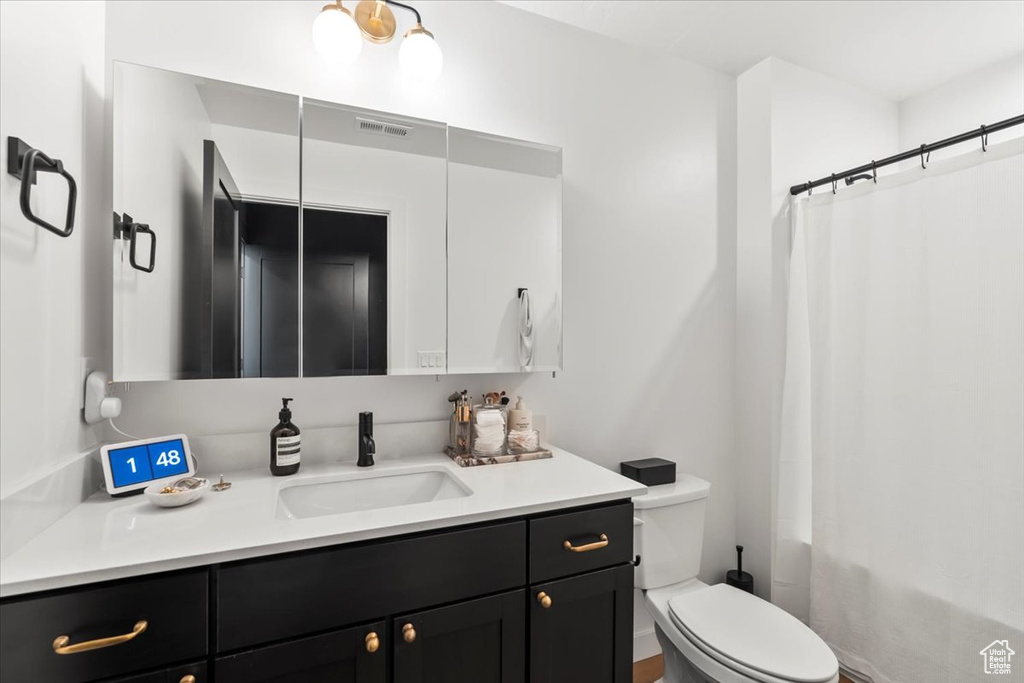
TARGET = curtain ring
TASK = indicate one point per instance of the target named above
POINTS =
(984, 139)
(874, 172)
(810, 188)
(833, 183)
(922, 156)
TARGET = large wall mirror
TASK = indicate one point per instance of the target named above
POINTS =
(259, 234)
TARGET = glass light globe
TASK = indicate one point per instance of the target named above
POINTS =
(336, 36)
(420, 56)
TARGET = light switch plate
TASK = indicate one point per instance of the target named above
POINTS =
(430, 359)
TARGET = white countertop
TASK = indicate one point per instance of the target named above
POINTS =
(106, 538)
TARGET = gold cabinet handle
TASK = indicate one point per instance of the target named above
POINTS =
(597, 545)
(408, 633)
(188, 679)
(61, 647)
(544, 599)
(372, 642)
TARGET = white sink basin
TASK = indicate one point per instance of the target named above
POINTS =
(337, 494)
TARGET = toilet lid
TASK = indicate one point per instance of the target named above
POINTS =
(755, 633)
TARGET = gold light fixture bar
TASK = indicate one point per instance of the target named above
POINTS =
(376, 20)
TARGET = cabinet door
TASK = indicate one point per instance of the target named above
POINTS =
(581, 629)
(355, 655)
(190, 673)
(478, 641)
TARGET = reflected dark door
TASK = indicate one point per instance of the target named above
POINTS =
(335, 316)
(220, 326)
(279, 335)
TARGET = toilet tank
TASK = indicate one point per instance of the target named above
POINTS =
(669, 532)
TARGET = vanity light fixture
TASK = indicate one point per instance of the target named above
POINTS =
(336, 37)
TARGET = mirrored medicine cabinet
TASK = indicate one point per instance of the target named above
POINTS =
(262, 234)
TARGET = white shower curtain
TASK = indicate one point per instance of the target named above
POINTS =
(902, 438)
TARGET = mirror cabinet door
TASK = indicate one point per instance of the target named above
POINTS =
(373, 254)
(504, 239)
(206, 233)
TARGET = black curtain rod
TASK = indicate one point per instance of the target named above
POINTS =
(909, 154)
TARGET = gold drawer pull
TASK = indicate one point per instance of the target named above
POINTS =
(188, 679)
(544, 599)
(372, 642)
(408, 633)
(61, 647)
(597, 545)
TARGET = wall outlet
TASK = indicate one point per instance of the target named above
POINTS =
(430, 359)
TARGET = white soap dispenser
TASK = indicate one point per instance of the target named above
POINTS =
(520, 418)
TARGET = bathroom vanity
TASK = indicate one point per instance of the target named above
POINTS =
(522, 572)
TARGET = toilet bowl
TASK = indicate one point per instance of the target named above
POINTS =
(713, 633)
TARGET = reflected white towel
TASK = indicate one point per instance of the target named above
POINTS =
(525, 331)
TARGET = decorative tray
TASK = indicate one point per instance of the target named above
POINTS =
(475, 461)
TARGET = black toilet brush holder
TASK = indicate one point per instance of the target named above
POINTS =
(737, 577)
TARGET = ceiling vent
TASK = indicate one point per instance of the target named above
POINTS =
(391, 130)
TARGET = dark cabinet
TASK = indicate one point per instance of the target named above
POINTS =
(190, 673)
(581, 628)
(478, 641)
(545, 598)
(99, 632)
(354, 655)
(327, 589)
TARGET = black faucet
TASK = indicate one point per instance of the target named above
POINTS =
(366, 445)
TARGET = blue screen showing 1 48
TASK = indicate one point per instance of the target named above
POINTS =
(136, 464)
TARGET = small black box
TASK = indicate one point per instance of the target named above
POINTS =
(650, 471)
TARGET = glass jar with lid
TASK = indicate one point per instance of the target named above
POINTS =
(489, 429)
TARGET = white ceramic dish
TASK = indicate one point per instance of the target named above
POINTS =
(174, 500)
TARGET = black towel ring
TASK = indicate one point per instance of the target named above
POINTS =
(984, 139)
(24, 162)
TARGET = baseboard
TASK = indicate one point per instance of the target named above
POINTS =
(645, 645)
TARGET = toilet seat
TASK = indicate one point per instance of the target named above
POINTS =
(751, 636)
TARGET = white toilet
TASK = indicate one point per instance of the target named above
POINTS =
(718, 633)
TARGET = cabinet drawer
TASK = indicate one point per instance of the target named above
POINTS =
(264, 600)
(355, 655)
(580, 541)
(174, 609)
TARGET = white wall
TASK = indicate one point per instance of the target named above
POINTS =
(54, 303)
(986, 96)
(793, 125)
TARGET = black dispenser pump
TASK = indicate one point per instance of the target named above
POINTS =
(285, 443)
(737, 577)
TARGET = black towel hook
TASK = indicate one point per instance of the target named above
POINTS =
(984, 139)
(23, 162)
